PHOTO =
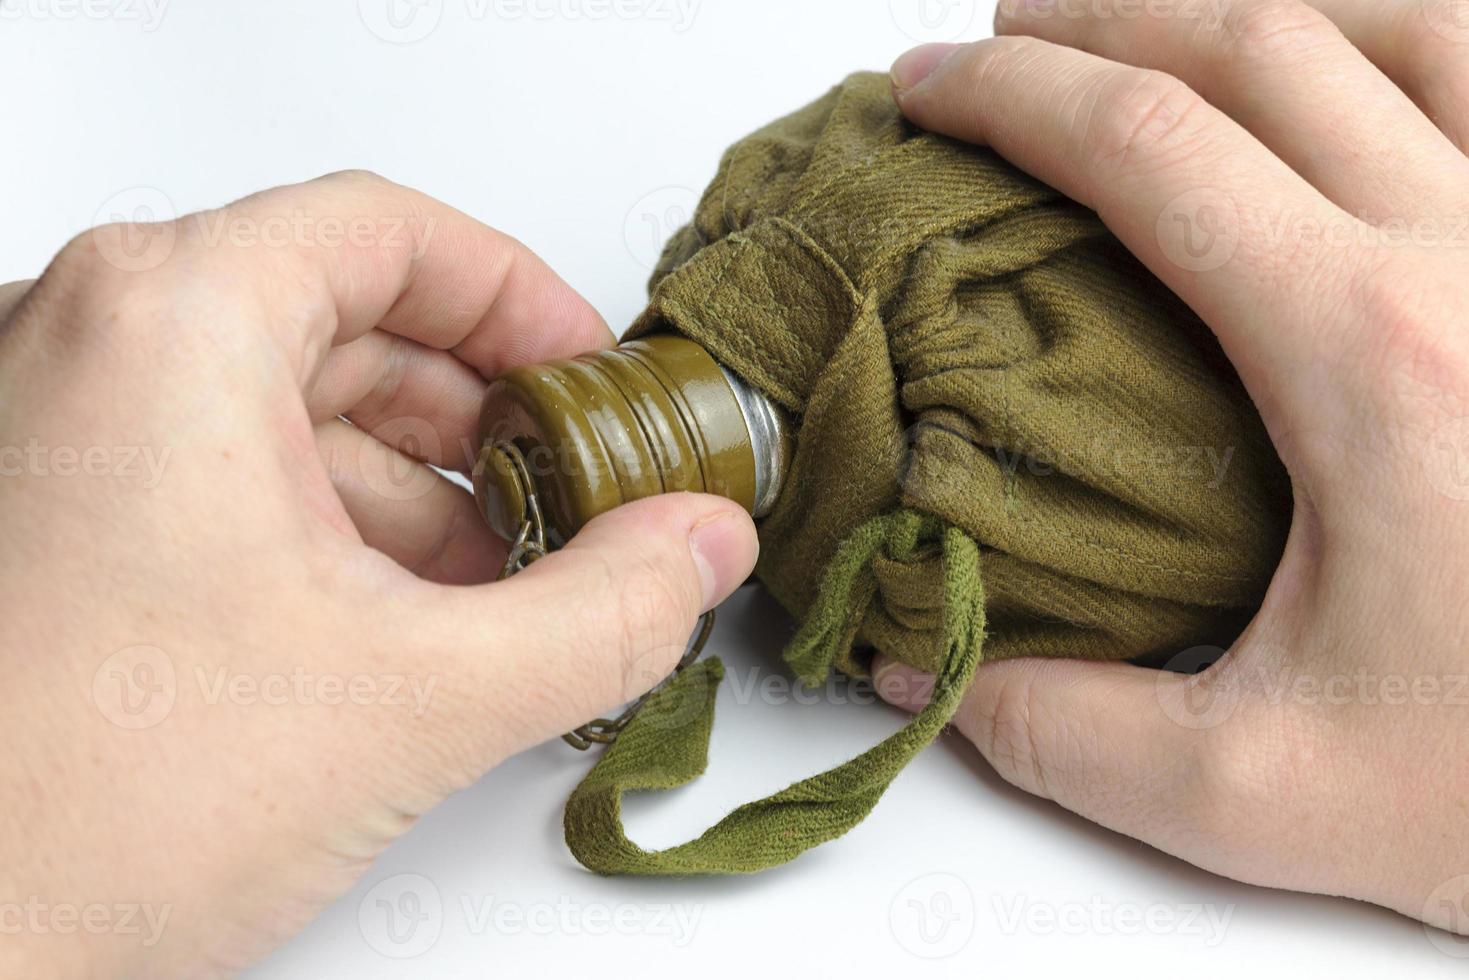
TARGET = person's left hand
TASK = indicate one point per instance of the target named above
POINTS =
(1294, 172)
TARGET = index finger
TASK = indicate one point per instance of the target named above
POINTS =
(1221, 220)
(328, 260)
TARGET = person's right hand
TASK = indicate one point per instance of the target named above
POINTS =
(248, 642)
(1326, 752)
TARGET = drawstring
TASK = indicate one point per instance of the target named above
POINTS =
(667, 744)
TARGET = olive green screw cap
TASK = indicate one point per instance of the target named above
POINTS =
(651, 416)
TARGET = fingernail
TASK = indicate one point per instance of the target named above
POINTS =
(916, 65)
(901, 685)
(882, 675)
(720, 546)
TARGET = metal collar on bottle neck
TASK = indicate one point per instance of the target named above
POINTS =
(769, 439)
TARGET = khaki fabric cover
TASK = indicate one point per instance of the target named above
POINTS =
(980, 375)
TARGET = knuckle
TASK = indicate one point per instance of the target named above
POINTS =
(83, 258)
(1411, 364)
(1147, 118)
(87, 278)
(1275, 31)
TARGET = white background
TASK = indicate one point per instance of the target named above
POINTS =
(585, 127)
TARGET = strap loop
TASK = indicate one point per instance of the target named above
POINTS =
(667, 744)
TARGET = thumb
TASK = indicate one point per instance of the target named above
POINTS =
(1109, 741)
(608, 616)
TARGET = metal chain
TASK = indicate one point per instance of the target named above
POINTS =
(530, 545)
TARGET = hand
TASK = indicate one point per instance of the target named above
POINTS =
(1284, 183)
(246, 643)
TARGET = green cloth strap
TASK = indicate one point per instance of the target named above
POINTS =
(667, 744)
